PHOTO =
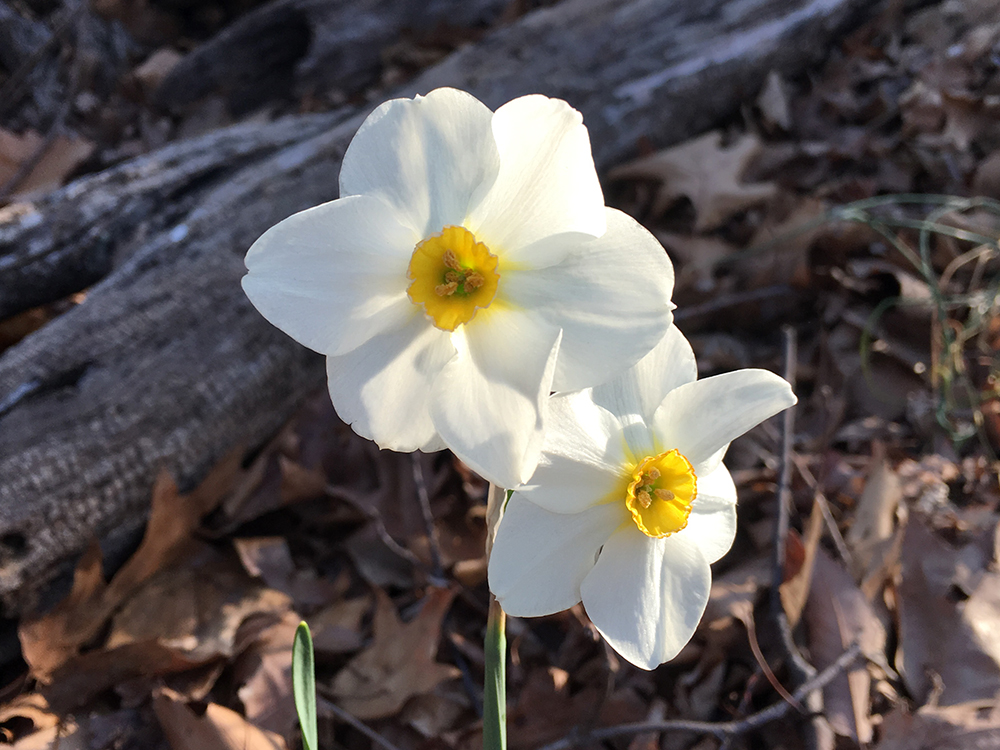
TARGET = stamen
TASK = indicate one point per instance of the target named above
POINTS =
(666, 495)
(473, 281)
(451, 260)
(446, 290)
(644, 498)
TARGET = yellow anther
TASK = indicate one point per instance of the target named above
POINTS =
(666, 495)
(451, 260)
(446, 290)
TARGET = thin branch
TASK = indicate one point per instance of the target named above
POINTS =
(824, 506)
(329, 707)
(801, 671)
(430, 529)
(720, 729)
(376, 519)
(726, 301)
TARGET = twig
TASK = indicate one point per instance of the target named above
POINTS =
(376, 519)
(468, 683)
(801, 671)
(765, 668)
(720, 729)
(725, 301)
(423, 497)
(329, 707)
(745, 701)
(824, 506)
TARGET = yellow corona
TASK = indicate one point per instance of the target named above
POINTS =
(660, 494)
(452, 276)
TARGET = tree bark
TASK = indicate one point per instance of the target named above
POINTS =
(167, 364)
(299, 47)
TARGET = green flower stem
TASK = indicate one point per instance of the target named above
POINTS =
(495, 686)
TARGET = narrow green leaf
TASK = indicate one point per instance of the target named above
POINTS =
(304, 685)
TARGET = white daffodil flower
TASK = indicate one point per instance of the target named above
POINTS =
(631, 502)
(469, 269)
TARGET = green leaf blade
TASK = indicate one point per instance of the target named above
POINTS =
(304, 685)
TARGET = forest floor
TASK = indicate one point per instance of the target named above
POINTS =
(842, 230)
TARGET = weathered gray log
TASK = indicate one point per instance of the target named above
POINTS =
(74, 237)
(166, 363)
(294, 47)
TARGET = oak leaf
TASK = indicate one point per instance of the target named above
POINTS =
(705, 172)
(399, 663)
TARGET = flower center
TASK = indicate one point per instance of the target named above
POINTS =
(660, 494)
(453, 276)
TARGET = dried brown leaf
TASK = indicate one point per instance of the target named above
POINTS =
(267, 558)
(65, 736)
(399, 663)
(837, 614)
(31, 706)
(949, 607)
(870, 537)
(773, 102)
(787, 237)
(219, 728)
(696, 259)
(337, 628)
(300, 483)
(81, 678)
(705, 172)
(267, 693)
(964, 726)
(195, 610)
(150, 74)
(794, 591)
(50, 640)
(61, 157)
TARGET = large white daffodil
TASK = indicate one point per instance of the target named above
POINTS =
(469, 269)
(631, 502)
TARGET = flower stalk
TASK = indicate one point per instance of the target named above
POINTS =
(495, 685)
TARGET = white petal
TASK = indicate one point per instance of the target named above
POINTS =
(489, 402)
(611, 297)
(700, 418)
(539, 558)
(332, 276)
(640, 389)
(425, 156)
(583, 457)
(547, 182)
(647, 595)
(383, 388)
(712, 523)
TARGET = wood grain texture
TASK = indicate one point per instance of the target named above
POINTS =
(166, 363)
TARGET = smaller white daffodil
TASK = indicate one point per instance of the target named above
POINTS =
(631, 503)
(469, 269)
